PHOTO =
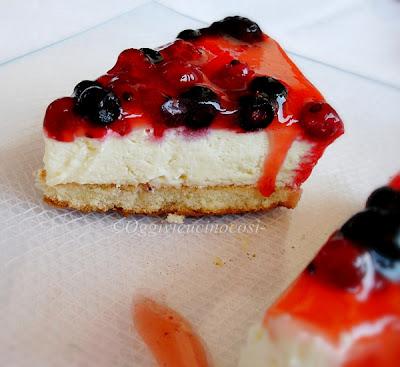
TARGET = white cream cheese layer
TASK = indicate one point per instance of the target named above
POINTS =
(287, 342)
(219, 157)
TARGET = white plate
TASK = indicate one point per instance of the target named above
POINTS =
(68, 279)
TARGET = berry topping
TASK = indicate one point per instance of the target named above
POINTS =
(180, 74)
(207, 78)
(202, 105)
(174, 111)
(341, 263)
(233, 76)
(272, 87)
(154, 56)
(395, 182)
(200, 93)
(181, 50)
(237, 27)
(131, 61)
(127, 96)
(84, 84)
(376, 229)
(321, 121)
(189, 34)
(385, 198)
(99, 105)
(388, 267)
(256, 112)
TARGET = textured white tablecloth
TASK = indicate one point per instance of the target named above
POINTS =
(67, 279)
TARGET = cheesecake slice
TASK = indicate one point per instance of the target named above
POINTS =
(344, 309)
(218, 121)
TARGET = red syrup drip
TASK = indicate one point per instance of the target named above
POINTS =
(330, 310)
(168, 335)
(280, 141)
(148, 86)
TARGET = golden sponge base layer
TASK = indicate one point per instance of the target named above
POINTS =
(184, 200)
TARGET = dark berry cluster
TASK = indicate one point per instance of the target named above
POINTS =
(98, 104)
(368, 241)
(259, 105)
(377, 229)
(195, 108)
(237, 27)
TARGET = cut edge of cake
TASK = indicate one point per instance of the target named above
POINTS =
(181, 200)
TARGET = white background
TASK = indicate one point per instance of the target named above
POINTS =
(67, 279)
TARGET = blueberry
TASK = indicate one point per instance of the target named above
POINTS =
(272, 87)
(189, 34)
(200, 93)
(99, 105)
(237, 27)
(108, 109)
(202, 104)
(234, 62)
(84, 84)
(153, 56)
(174, 111)
(389, 247)
(388, 267)
(256, 112)
(200, 115)
(385, 198)
(375, 229)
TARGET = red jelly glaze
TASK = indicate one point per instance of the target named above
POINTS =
(143, 87)
(332, 310)
(341, 263)
(169, 336)
(395, 182)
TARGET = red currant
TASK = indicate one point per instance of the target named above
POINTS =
(341, 263)
(181, 50)
(181, 75)
(321, 121)
(233, 76)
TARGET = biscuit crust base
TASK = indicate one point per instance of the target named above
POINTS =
(183, 200)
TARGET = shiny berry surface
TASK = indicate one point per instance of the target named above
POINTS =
(269, 86)
(183, 51)
(237, 27)
(175, 111)
(202, 105)
(189, 34)
(374, 228)
(388, 267)
(153, 56)
(233, 76)
(342, 264)
(181, 75)
(99, 105)
(84, 84)
(321, 121)
(385, 198)
(256, 112)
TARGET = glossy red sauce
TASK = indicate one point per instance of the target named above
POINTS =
(331, 311)
(202, 61)
(395, 182)
(168, 335)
